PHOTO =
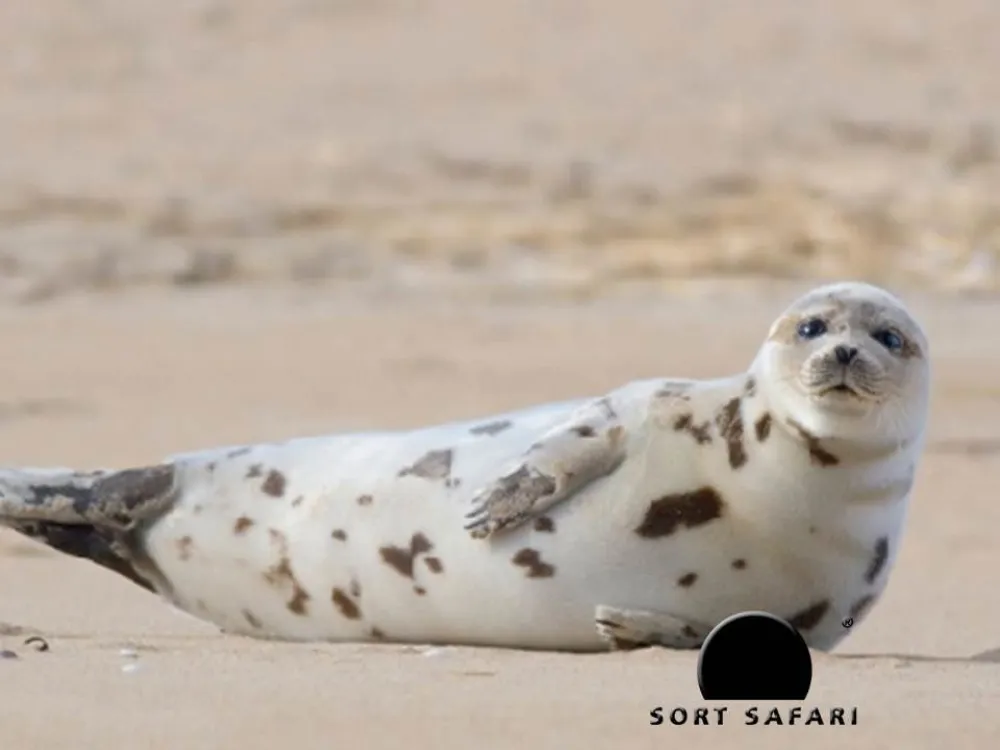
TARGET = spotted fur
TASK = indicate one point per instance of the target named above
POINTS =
(666, 515)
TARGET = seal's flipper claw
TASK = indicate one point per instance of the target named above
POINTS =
(587, 446)
(92, 515)
(628, 629)
(477, 522)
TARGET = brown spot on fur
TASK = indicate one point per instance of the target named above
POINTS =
(584, 431)
(762, 427)
(686, 509)
(751, 386)
(346, 606)
(299, 600)
(862, 605)
(432, 465)
(739, 564)
(810, 617)
(817, 453)
(298, 501)
(690, 632)
(398, 558)
(530, 559)
(492, 428)
(255, 471)
(339, 534)
(274, 484)
(420, 544)
(281, 573)
(419, 590)
(377, 634)
(365, 500)
(252, 620)
(242, 525)
(785, 330)
(355, 588)
(879, 559)
(700, 432)
(184, 547)
(730, 423)
(672, 389)
(402, 559)
(910, 349)
(545, 525)
(687, 580)
(433, 564)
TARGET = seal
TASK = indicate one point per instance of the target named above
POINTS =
(643, 517)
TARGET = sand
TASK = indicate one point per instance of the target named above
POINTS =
(553, 143)
(119, 381)
(224, 221)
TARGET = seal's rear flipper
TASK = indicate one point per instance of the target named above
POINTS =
(94, 515)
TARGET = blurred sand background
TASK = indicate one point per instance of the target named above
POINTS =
(228, 221)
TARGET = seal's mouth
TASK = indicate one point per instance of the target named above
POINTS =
(841, 390)
(840, 384)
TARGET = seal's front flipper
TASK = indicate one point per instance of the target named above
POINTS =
(589, 445)
(93, 515)
(627, 629)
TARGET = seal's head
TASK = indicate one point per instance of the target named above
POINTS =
(847, 361)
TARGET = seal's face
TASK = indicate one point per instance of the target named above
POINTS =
(849, 358)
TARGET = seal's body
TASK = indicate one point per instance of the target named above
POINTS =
(643, 517)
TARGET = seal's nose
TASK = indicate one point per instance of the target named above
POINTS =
(845, 354)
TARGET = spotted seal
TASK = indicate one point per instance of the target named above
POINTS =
(641, 517)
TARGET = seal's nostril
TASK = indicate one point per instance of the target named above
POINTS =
(845, 354)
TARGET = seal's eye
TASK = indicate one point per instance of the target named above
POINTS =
(812, 328)
(889, 339)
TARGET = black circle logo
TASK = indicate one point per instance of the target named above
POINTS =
(754, 656)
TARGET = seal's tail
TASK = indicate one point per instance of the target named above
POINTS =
(94, 515)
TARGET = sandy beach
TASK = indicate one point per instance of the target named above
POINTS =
(115, 382)
(225, 222)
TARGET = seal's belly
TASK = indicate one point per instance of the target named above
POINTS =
(362, 538)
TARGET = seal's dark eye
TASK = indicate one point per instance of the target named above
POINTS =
(812, 328)
(889, 339)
